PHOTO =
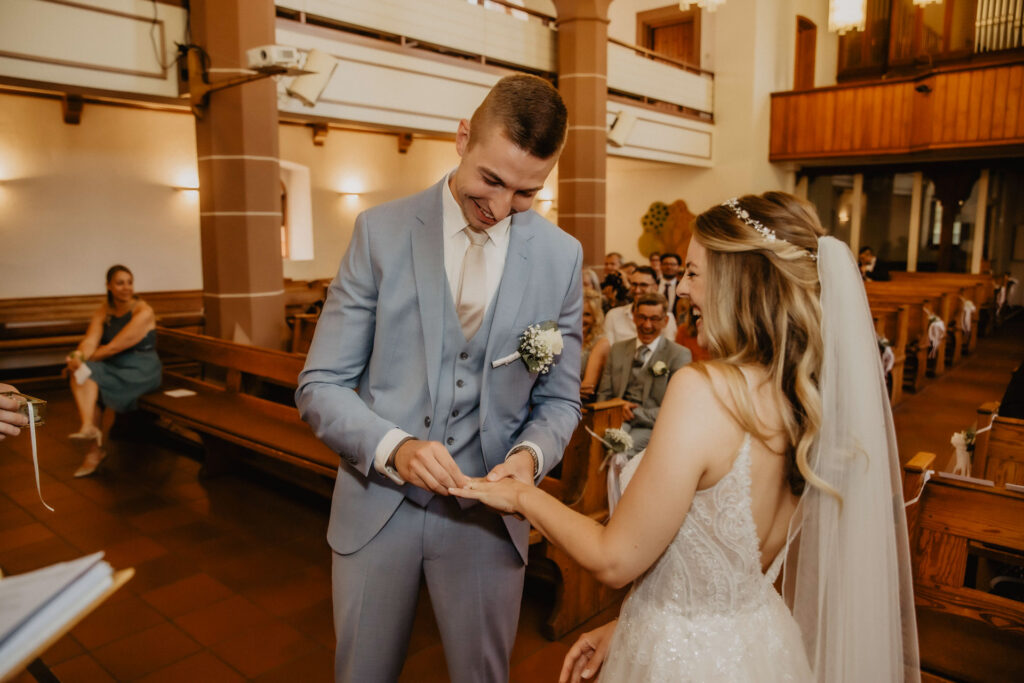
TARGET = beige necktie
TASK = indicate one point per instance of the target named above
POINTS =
(472, 300)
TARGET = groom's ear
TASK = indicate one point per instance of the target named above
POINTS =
(462, 138)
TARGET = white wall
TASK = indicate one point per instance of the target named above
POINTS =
(75, 199)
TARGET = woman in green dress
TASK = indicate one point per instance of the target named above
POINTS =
(114, 364)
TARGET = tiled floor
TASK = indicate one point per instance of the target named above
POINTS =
(232, 573)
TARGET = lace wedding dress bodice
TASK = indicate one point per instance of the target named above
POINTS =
(705, 611)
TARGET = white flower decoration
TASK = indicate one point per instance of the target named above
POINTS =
(658, 369)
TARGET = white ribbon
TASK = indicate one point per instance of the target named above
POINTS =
(888, 360)
(615, 464)
(927, 475)
(510, 358)
(968, 315)
(936, 334)
(35, 455)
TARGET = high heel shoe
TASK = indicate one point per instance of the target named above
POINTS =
(88, 434)
(91, 463)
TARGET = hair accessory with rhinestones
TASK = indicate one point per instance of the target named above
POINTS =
(767, 233)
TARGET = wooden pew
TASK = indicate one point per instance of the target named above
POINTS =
(999, 452)
(938, 300)
(915, 348)
(960, 533)
(580, 483)
(981, 291)
(892, 324)
(233, 422)
(37, 333)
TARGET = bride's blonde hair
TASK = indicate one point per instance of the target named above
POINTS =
(764, 309)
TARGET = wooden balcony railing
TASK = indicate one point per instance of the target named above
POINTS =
(957, 108)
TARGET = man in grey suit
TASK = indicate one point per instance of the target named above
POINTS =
(412, 379)
(638, 369)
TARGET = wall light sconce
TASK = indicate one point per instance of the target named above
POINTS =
(185, 188)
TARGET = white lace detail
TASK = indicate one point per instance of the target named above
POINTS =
(705, 611)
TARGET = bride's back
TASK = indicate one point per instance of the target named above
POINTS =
(771, 499)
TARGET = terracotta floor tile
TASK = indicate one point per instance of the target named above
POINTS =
(133, 551)
(544, 664)
(164, 518)
(187, 595)
(63, 650)
(316, 622)
(286, 596)
(316, 666)
(26, 534)
(203, 667)
(82, 669)
(220, 621)
(38, 555)
(263, 647)
(186, 536)
(145, 652)
(116, 619)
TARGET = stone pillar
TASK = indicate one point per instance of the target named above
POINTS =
(914, 236)
(857, 212)
(583, 82)
(980, 216)
(239, 179)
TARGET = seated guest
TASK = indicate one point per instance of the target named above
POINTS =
(11, 421)
(612, 262)
(590, 280)
(114, 364)
(670, 279)
(618, 322)
(638, 369)
(595, 344)
(654, 261)
(870, 267)
(627, 269)
(687, 334)
(614, 292)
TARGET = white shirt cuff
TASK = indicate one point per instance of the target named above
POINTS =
(384, 450)
(540, 457)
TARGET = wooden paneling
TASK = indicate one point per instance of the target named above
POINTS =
(955, 109)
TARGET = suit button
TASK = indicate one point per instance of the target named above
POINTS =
(460, 384)
(426, 421)
(455, 413)
(450, 441)
(463, 355)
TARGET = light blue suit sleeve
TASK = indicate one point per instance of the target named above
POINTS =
(341, 349)
(555, 399)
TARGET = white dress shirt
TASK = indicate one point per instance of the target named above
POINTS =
(619, 325)
(455, 243)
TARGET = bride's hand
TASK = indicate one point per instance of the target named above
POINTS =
(587, 654)
(502, 495)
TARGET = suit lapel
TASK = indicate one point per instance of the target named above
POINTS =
(660, 355)
(509, 296)
(626, 353)
(428, 269)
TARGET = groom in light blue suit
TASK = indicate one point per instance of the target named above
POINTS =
(410, 380)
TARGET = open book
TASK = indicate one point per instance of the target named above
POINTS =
(38, 607)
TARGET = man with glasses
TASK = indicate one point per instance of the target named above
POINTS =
(618, 322)
(638, 369)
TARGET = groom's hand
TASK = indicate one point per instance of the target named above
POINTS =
(429, 465)
(518, 466)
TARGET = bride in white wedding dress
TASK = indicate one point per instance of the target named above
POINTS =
(776, 456)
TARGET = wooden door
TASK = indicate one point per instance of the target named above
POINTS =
(806, 39)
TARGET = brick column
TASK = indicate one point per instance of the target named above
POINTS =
(239, 180)
(583, 82)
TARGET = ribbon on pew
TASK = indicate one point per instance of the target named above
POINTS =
(35, 455)
(924, 482)
(967, 316)
(936, 333)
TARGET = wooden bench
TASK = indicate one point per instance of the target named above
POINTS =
(999, 452)
(950, 307)
(941, 302)
(961, 535)
(892, 324)
(981, 291)
(36, 334)
(915, 346)
(233, 423)
(228, 410)
(581, 484)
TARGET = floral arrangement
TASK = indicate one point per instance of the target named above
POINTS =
(617, 440)
(963, 446)
(658, 369)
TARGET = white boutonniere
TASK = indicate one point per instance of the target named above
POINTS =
(658, 369)
(538, 346)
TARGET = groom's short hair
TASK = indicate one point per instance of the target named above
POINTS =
(529, 111)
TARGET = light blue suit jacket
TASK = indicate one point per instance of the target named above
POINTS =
(376, 356)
